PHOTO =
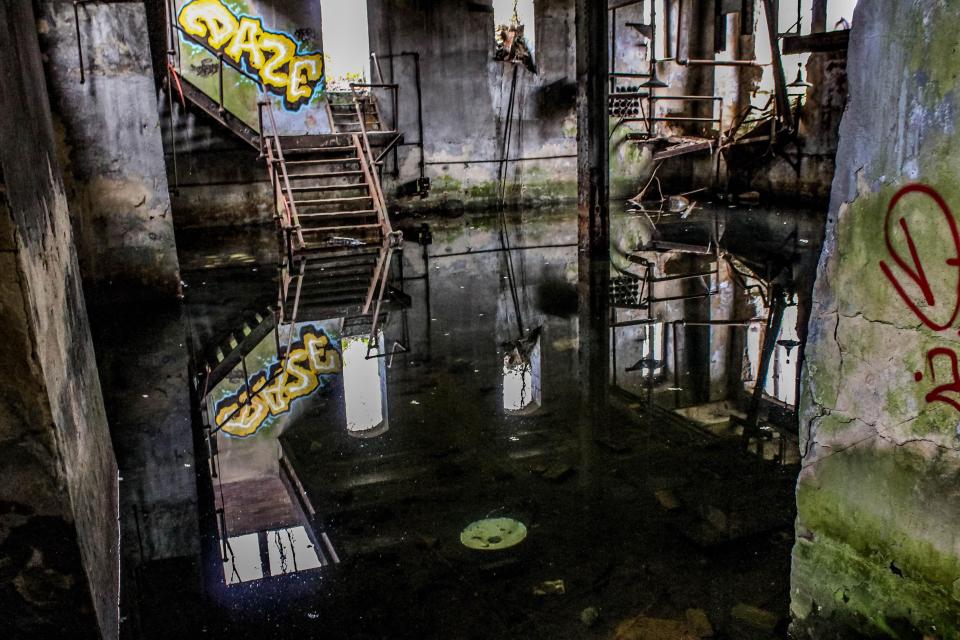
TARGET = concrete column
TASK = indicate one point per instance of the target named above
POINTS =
(59, 564)
(878, 526)
(114, 169)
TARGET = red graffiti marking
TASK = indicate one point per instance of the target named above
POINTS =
(915, 272)
(937, 395)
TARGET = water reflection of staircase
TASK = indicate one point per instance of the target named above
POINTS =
(350, 282)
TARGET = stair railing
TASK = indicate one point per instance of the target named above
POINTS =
(382, 282)
(270, 142)
(394, 100)
(362, 146)
(174, 53)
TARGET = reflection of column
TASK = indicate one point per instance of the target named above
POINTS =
(521, 378)
(721, 308)
(364, 386)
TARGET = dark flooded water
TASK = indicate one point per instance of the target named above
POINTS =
(337, 504)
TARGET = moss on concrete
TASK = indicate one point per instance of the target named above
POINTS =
(882, 547)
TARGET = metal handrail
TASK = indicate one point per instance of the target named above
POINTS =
(394, 90)
(273, 138)
(396, 236)
(221, 60)
(362, 145)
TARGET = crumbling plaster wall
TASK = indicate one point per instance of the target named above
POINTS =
(112, 152)
(58, 501)
(878, 530)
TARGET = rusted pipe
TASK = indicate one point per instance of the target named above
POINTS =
(720, 63)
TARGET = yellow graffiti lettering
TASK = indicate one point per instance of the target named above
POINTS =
(310, 358)
(274, 56)
(283, 50)
(245, 421)
(303, 71)
(247, 41)
(300, 381)
(275, 397)
(323, 358)
(210, 19)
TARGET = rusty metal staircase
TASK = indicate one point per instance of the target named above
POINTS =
(326, 187)
(352, 112)
(336, 238)
(333, 194)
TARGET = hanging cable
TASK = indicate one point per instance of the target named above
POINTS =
(502, 179)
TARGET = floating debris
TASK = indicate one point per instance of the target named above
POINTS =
(550, 588)
(492, 534)
(589, 616)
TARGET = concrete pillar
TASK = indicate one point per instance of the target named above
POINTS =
(878, 527)
(59, 564)
(114, 167)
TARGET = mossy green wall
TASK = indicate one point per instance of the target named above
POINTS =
(878, 528)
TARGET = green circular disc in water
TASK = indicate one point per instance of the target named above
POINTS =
(493, 534)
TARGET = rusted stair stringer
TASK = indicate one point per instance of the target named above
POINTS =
(371, 165)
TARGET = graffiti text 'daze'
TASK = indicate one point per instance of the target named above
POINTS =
(274, 56)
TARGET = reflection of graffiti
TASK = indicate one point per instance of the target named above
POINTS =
(942, 298)
(273, 56)
(274, 389)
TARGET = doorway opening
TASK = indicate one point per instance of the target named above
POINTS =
(346, 43)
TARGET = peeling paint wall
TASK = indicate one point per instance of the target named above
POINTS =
(112, 154)
(878, 532)
(59, 560)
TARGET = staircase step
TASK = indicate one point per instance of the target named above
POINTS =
(334, 200)
(331, 265)
(331, 174)
(333, 251)
(331, 187)
(337, 286)
(303, 150)
(334, 301)
(343, 160)
(355, 274)
(328, 214)
(339, 228)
